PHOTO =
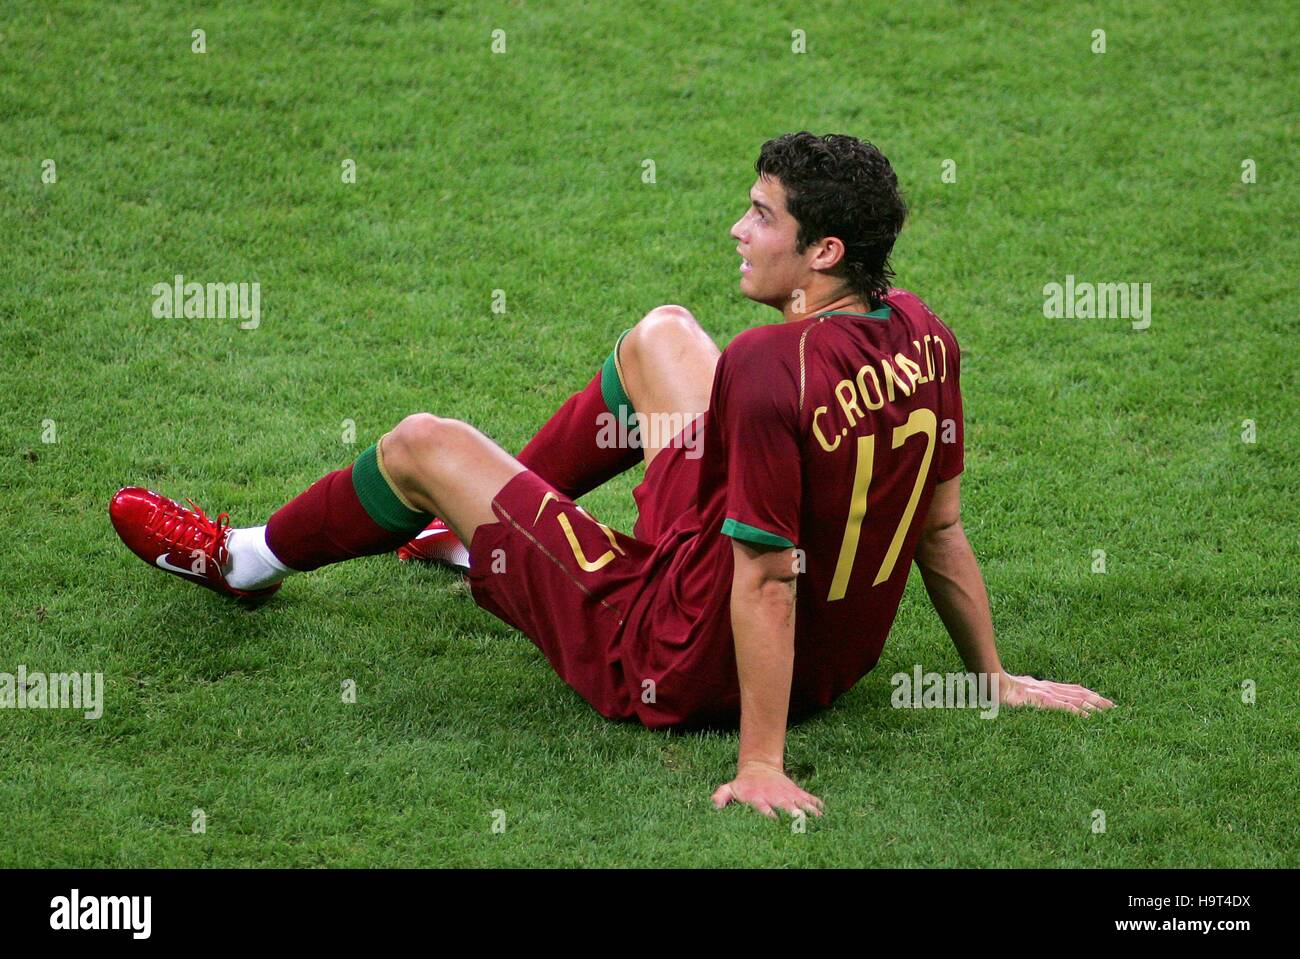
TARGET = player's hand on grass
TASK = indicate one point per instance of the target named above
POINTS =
(1045, 694)
(767, 789)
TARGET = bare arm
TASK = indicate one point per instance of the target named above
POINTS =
(952, 578)
(762, 623)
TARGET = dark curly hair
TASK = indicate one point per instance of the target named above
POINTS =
(838, 185)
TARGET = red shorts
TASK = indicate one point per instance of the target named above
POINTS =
(567, 581)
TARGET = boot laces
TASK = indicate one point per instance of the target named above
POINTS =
(192, 529)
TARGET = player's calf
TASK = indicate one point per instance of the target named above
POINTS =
(426, 464)
(345, 514)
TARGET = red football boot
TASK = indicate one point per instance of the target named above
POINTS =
(436, 543)
(184, 542)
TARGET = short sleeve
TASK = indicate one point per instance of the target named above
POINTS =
(952, 428)
(755, 409)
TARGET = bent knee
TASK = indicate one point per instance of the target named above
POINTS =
(667, 325)
(417, 436)
(670, 319)
(670, 312)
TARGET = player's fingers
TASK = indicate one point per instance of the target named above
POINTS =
(1091, 695)
(798, 801)
(1085, 697)
(812, 801)
(722, 795)
(1077, 693)
(1064, 690)
(1060, 702)
(763, 807)
(1071, 696)
(1048, 701)
(813, 808)
(1086, 700)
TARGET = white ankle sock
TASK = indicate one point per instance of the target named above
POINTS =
(252, 564)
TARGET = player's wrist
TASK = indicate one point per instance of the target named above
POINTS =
(1006, 685)
(757, 763)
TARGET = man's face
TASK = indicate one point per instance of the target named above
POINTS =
(770, 269)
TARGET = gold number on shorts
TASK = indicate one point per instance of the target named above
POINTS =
(604, 559)
(587, 565)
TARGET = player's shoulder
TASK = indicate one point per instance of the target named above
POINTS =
(917, 311)
(768, 347)
(765, 337)
(759, 371)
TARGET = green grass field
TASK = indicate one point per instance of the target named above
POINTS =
(522, 171)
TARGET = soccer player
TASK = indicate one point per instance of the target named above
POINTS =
(791, 480)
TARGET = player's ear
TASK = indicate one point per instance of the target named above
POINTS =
(828, 251)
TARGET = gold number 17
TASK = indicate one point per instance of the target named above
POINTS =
(921, 421)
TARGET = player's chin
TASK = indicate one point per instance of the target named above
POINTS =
(765, 297)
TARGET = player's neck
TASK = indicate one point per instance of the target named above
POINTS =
(802, 307)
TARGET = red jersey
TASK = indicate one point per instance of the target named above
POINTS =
(828, 435)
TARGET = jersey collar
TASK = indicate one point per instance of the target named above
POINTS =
(880, 314)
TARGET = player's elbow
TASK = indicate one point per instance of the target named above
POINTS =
(757, 566)
(776, 590)
(764, 578)
(765, 583)
(767, 599)
(939, 540)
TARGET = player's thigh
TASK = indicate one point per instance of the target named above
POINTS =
(565, 579)
(667, 363)
(448, 468)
